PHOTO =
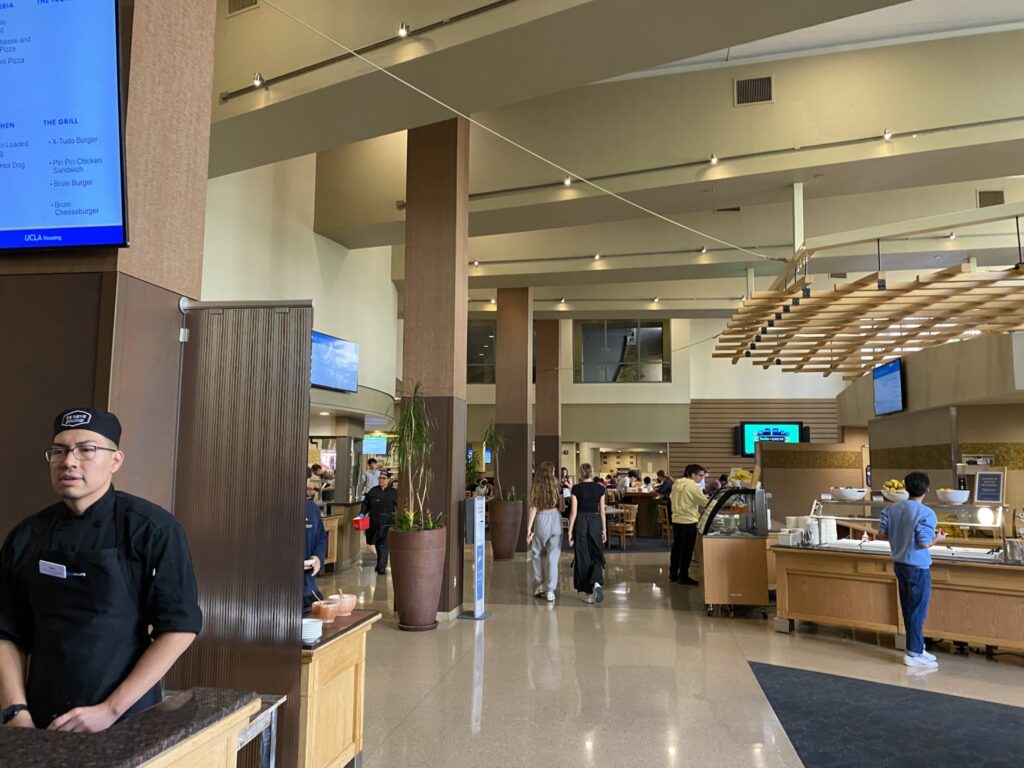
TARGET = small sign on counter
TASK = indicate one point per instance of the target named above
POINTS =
(988, 487)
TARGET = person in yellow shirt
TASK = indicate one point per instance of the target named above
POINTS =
(688, 500)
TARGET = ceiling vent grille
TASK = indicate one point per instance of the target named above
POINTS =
(237, 6)
(754, 90)
(730, 209)
(988, 197)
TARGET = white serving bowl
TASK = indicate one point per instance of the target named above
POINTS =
(848, 494)
(953, 497)
(895, 496)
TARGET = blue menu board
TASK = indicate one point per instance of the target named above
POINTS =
(61, 149)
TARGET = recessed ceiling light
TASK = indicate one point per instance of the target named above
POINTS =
(597, 256)
(325, 413)
(486, 346)
(494, 301)
(476, 263)
(491, 336)
(887, 134)
(257, 80)
(403, 30)
(713, 159)
(567, 181)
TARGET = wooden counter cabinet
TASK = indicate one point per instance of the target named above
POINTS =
(332, 689)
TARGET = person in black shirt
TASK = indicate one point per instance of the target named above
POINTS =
(97, 592)
(316, 551)
(588, 530)
(380, 503)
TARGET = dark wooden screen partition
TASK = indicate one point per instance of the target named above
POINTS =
(239, 494)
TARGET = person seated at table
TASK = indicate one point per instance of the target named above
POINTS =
(647, 487)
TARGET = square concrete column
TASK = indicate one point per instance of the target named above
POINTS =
(512, 377)
(436, 315)
(548, 413)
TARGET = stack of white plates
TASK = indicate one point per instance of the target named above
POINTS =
(312, 629)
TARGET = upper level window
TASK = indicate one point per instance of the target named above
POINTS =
(616, 351)
(480, 342)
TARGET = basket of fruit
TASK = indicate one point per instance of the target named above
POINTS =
(894, 491)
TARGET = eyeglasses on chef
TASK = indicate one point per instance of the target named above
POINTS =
(85, 452)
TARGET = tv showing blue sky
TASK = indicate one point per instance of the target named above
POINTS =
(335, 363)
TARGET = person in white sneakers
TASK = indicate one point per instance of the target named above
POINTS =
(909, 527)
(588, 531)
(544, 530)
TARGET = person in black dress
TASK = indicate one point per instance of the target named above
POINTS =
(588, 530)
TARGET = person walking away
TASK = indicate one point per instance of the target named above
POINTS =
(380, 503)
(687, 500)
(909, 527)
(588, 531)
(544, 530)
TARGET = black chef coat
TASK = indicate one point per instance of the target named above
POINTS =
(380, 504)
(316, 544)
(157, 563)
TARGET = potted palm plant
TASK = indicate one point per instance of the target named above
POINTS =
(504, 511)
(418, 537)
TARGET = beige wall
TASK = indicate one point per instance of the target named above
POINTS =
(983, 368)
(260, 245)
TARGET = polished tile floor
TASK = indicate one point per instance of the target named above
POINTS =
(646, 679)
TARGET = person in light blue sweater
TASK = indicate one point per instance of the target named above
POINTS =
(909, 527)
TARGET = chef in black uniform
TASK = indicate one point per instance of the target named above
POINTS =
(380, 504)
(316, 551)
(97, 592)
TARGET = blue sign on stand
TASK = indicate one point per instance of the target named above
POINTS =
(476, 510)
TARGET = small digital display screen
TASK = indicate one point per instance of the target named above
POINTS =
(335, 363)
(888, 385)
(768, 432)
(375, 446)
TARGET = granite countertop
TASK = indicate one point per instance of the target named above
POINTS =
(128, 743)
(340, 627)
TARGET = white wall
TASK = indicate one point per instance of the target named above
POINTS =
(260, 245)
(718, 379)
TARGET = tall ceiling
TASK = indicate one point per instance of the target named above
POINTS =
(636, 96)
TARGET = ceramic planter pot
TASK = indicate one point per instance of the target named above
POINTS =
(417, 571)
(505, 519)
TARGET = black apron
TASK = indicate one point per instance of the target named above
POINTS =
(89, 629)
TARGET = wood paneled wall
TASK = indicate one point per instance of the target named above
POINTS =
(239, 496)
(712, 421)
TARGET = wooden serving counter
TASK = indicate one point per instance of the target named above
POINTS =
(332, 688)
(973, 602)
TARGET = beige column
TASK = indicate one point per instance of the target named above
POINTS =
(434, 329)
(548, 411)
(512, 376)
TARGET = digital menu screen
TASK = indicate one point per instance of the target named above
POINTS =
(61, 155)
(335, 363)
(888, 388)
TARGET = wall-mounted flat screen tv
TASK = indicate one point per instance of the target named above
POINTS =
(335, 363)
(375, 446)
(61, 125)
(749, 433)
(889, 387)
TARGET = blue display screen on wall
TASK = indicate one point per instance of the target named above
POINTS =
(335, 363)
(773, 432)
(889, 388)
(375, 446)
(61, 126)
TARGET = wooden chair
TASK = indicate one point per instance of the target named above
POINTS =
(611, 496)
(626, 526)
(666, 524)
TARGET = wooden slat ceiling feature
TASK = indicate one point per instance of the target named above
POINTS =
(855, 326)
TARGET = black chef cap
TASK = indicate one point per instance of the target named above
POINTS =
(92, 419)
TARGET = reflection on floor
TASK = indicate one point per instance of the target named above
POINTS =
(888, 726)
(646, 679)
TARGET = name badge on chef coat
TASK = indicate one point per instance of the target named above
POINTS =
(52, 569)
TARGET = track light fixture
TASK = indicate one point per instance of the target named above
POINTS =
(403, 30)
(703, 249)
(952, 235)
(476, 263)
(597, 257)
(494, 301)
(714, 159)
(257, 80)
(562, 300)
(887, 134)
(657, 299)
(567, 181)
